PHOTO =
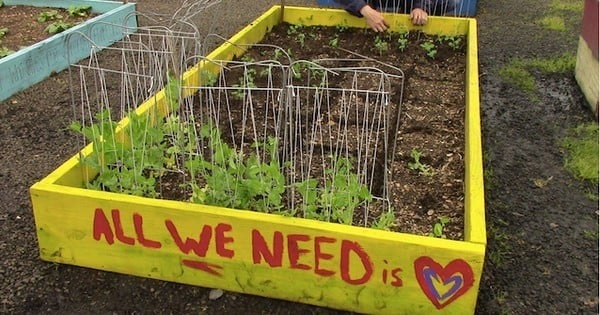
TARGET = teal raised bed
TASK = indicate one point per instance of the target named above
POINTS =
(33, 64)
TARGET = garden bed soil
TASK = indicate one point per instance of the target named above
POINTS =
(542, 254)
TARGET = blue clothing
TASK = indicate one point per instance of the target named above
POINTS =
(435, 7)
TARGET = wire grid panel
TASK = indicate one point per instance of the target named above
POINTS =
(327, 122)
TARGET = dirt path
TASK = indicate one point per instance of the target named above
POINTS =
(543, 241)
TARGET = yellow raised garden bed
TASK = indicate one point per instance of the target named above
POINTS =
(327, 264)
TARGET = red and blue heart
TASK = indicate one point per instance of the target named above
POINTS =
(443, 285)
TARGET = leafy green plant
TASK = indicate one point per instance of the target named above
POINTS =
(3, 31)
(341, 194)
(454, 42)
(50, 15)
(403, 41)
(246, 82)
(5, 52)
(131, 161)
(430, 48)
(58, 27)
(232, 180)
(342, 27)
(297, 31)
(208, 78)
(417, 165)
(381, 45)
(385, 221)
(334, 42)
(438, 227)
(81, 11)
(130, 167)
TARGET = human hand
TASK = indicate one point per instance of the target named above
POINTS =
(374, 19)
(418, 16)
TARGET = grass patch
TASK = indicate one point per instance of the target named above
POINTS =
(518, 71)
(515, 74)
(581, 151)
(561, 64)
(553, 22)
(571, 6)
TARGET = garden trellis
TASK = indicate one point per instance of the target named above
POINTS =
(307, 138)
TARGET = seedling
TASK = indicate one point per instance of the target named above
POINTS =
(49, 16)
(423, 169)
(246, 82)
(3, 31)
(79, 11)
(455, 42)
(438, 227)
(381, 45)
(208, 78)
(334, 42)
(342, 27)
(59, 26)
(403, 41)
(430, 48)
(5, 52)
(297, 31)
(385, 221)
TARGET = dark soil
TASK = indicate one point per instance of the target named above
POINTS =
(24, 28)
(542, 239)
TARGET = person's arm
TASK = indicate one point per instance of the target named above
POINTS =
(352, 6)
(360, 8)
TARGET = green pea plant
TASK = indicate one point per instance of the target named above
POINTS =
(403, 41)
(454, 42)
(430, 48)
(129, 164)
(81, 11)
(341, 195)
(334, 42)
(233, 180)
(438, 228)
(385, 220)
(416, 164)
(381, 45)
(297, 31)
(50, 15)
(245, 82)
(59, 24)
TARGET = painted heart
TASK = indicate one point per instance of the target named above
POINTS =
(443, 285)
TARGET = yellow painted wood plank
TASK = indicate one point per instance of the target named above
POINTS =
(332, 265)
(474, 186)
